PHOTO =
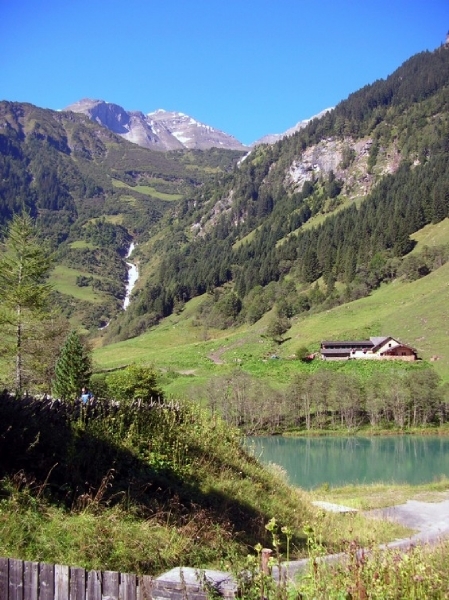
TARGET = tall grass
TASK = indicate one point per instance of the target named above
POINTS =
(357, 573)
(419, 573)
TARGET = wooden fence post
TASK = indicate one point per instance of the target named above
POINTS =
(15, 579)
(77, 583)
(128, 587)
(30, 580)
(111, 585)
(146, 587)
(94, 585)
(46, 582)
(4, 578)
(266, 553)
(61, 582)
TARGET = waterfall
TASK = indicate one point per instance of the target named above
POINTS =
(133, 275)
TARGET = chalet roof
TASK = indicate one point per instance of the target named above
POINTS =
(388, 350)
(377, 341)
(336, 351)
(347, 344)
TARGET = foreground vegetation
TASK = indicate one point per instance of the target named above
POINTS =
(155, 487)
(420, 573)
(80, 485)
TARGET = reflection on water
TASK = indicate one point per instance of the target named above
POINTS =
(311, 462)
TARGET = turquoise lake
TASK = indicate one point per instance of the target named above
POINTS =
(311, 462)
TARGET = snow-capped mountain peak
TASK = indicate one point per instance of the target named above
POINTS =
(158, 130)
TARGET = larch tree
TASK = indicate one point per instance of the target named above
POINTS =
(24, 292)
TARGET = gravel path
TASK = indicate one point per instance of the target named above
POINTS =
(429, 519)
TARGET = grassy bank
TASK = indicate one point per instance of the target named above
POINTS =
(382, 495)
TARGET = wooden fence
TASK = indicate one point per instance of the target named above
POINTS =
(26, 580)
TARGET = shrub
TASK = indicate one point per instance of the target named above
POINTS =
(136, 382)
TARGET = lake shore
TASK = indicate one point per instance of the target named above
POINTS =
(367, 432)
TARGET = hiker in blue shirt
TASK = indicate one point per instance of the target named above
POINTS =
(86, 396)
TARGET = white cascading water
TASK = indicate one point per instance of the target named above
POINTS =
(133, 275)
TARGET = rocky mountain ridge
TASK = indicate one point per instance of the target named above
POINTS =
(272, 138)
(170, 130)
(160, 130)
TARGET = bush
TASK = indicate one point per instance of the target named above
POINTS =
(136, 382)
(302, 353)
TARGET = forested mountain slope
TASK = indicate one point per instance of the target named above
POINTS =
(335, 204)
(322, 216)
(92, 193)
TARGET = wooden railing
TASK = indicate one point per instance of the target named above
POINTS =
(26, 580)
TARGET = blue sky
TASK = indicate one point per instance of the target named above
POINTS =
(244, 66)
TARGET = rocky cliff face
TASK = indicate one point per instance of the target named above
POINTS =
(319, 160)
(346, 158)
(160, 130)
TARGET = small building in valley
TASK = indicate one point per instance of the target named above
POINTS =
(375, 348)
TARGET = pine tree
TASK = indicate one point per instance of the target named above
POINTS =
(24, 291)
(311, 266)
(73, 369)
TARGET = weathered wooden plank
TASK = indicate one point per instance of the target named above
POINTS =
(128, 586)
(30, 580)
(46, 581)
(94, 585)
(146, 587)
(77, 583)
(4, 578)
(61, 582)
(15, 579)
(111, 585)
(178, 591)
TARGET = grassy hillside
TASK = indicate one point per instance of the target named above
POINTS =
(434, 234)
(416, 312)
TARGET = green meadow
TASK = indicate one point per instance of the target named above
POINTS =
(147, 190)
(81, 244)
(435, 234)
(63, 280)
(189, 355)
